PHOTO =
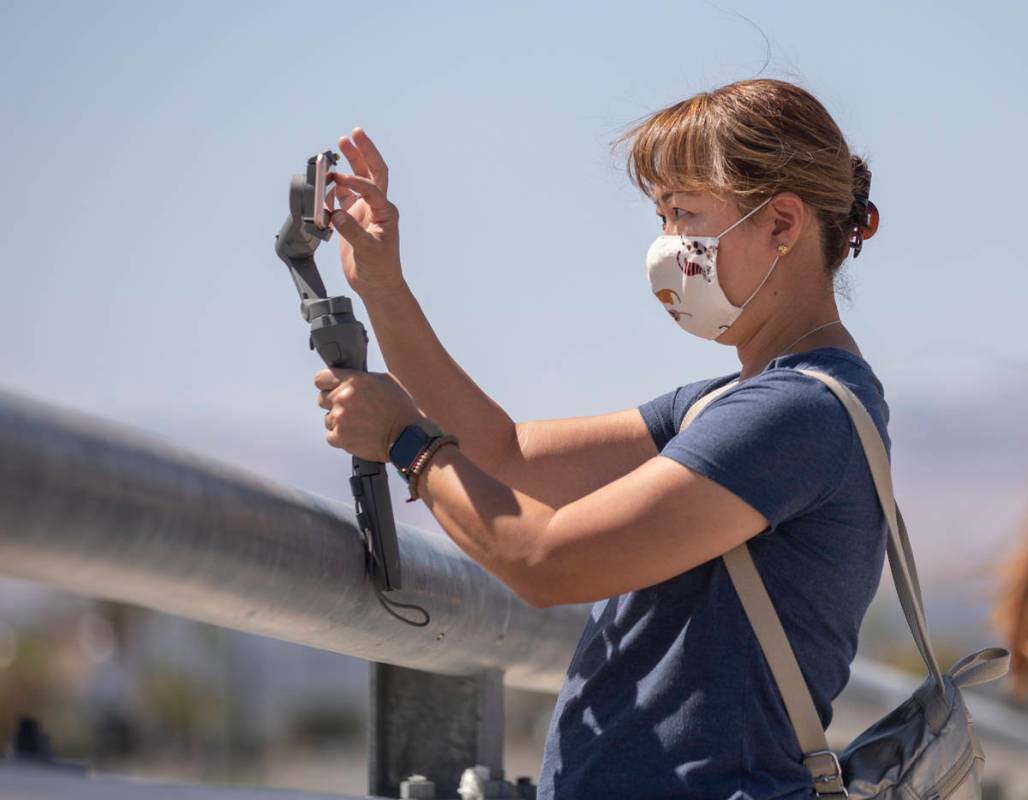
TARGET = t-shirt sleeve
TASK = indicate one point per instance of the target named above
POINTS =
(782, 442)
(664, 413)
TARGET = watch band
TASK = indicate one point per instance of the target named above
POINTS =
(421, 462)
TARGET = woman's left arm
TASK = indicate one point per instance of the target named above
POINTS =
(657, 521)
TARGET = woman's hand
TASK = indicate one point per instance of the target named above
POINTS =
(368, 224)
(366, 411)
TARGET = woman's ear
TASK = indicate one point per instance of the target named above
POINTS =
(788, 215)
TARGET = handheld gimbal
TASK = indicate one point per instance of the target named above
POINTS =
(341, 341)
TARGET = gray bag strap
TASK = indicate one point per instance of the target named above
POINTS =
(819, 759)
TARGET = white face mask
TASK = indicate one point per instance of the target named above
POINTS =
(683, 276)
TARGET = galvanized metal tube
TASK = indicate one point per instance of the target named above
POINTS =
(99, 509)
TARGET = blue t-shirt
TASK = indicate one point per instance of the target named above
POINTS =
(668, 693)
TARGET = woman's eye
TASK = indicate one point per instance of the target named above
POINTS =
(663, 219)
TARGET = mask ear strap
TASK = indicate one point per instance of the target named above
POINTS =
(754, 211)
(772, 269)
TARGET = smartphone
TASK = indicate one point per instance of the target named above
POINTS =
(321, 166)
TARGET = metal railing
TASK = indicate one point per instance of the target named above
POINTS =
(102, 510)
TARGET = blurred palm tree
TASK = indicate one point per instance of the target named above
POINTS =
(1010, 612)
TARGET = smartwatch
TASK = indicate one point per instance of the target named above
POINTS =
(410, 443)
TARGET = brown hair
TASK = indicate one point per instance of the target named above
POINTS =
(749, 140)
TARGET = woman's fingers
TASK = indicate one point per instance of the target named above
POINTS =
(339, 198)
(373, 158)
(328, 378)
(349, 226)
(344, 198)
(329, 202)
(381, 209)
(355, 157)
(330, 211)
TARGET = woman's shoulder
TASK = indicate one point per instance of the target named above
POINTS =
(848, 368)
(780, 394)
(781, 440)
(845, 365)
(782, 391)
(782, 379)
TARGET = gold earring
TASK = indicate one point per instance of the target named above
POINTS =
(783, 249)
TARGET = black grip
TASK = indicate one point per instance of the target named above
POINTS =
(341, 341)
(370, 486)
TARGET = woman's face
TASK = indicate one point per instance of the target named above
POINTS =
(745, 253)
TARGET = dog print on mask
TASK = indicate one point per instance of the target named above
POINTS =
(702, 254)
(669, 297)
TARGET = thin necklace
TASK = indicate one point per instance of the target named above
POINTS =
(819, 327)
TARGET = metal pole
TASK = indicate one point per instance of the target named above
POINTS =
(441, 724)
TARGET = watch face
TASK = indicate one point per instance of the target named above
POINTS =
(405, 449)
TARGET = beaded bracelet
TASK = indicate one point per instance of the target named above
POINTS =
(419, 463)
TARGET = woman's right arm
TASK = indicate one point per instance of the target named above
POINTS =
(556, 461)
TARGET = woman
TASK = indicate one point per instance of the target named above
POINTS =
(668, 693)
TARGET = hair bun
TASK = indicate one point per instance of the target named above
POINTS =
(863, 213)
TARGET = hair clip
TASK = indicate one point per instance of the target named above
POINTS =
(866, 228)
(870, 226)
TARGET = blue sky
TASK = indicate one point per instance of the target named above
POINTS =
(148, 149)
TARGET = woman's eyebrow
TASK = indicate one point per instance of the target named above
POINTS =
(666, 195)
